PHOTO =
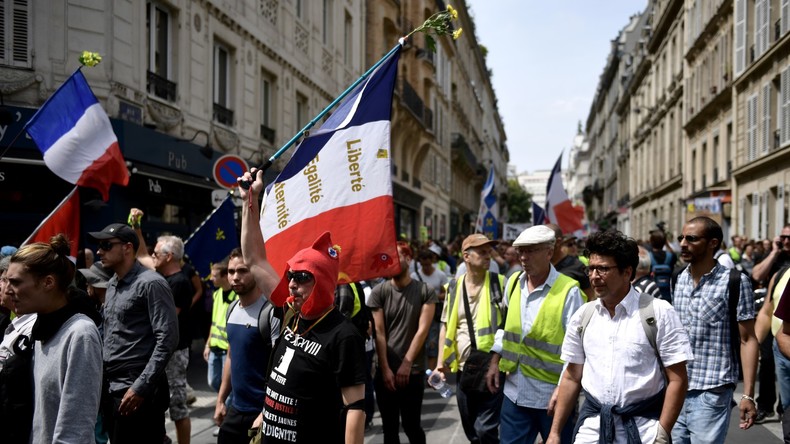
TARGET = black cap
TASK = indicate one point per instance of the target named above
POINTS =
(121, 232)
(97, 276)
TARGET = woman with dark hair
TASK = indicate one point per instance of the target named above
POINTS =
(67, 362)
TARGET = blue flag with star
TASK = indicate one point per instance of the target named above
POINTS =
(213, 240)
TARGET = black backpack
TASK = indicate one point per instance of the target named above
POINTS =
(16, 393)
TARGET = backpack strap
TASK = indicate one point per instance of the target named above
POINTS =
(589, 309)
(230, 310)
(669, 257)
(264, 324)
(648, 316)
(513, 279)
(734, 295)
(496, 288)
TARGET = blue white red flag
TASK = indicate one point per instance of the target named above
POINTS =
(538, 215)
(65, 218)
(487, 215)
(214, 239)
(559, 208)
(339, 180)
(74, 134)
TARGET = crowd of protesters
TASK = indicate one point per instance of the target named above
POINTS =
(98, 350)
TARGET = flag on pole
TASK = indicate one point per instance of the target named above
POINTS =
(538, 215)
(486, 216)
(339, 180)
(65, 218)
(214, 239)
(559, 208)
(74, 134)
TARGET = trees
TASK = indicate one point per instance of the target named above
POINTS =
(519, 203)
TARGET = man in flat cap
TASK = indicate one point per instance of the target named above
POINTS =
(471, 315)
(140, 336)
(539, 304)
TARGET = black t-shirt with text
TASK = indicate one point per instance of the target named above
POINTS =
(303, 398)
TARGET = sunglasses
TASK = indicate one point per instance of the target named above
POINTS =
(300, 277)
(107, 245)
(785, 237)
(689, 238)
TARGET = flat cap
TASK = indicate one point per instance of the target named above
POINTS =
(538, 234)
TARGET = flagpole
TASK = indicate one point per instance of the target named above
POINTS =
(303, 131)
(63, 202)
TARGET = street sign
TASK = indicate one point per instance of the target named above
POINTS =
(227, 169)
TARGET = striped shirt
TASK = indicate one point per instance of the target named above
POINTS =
(704, 312)
(647, 286)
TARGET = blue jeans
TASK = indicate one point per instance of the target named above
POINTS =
(705, 416)
(522, 424)
(782, 365)
(216, 361)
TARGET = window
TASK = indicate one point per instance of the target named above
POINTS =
(767, 133)
(16, 33)
(762, 19)
(327, 22)
(222, 112)
(740, 36)
(784, 86)
(267, 107)
(299, 9)
(159, 52)
(301, 111)
(347, 40)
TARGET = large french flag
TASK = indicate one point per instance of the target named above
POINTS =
(559, 208)
(75, 136)
(65, 218)
(339, 180)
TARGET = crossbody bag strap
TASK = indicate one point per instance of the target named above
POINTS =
(469, 316)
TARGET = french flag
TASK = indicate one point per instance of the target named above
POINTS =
(76, 139)
(65, 218)
(339, 180)
(559, 208)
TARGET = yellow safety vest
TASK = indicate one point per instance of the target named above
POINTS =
(218, 337)
(486, 321)
(538, 354)
(357, 303)
(779, 288)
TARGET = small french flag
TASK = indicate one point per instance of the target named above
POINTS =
(75, 136)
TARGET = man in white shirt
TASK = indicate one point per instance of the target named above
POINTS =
(628, 397)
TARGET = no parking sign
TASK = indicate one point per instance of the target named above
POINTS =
(228, 168)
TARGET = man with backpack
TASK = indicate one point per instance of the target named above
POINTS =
(663, 264)
(627, 350)
(471, 316)
(247, 360)
(539, 303)
(716, 306)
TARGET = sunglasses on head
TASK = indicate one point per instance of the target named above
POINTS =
(107, 245)
(301, 277)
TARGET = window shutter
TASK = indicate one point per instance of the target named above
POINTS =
(785, 15)
(740, 36)
(758, 28)
(755, 222)
(20, 32)
(751, 128)
(767, 139)
(764, 215)
(784, 84)
(779, 216)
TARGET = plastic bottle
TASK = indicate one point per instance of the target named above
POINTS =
(435, 380)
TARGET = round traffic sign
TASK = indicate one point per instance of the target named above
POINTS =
(228, 168)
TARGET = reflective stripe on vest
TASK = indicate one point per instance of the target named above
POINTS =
(538, 353)
(218, 337)
(486, 321)
(779, 288)
(357, 303)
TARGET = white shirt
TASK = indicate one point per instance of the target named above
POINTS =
(435, 280)
(726, 260)
(519, 389)
(21, 325)
(620, 367)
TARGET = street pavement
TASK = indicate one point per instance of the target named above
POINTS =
(439, 416)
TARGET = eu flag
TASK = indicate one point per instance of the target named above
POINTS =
(213, 240)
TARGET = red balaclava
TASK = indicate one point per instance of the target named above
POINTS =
(321, 260)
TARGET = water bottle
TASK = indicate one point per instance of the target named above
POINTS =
(435, 380)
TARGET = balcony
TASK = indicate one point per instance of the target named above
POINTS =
(413, 101)
(267, 133)
(222, 115)
(462, 155)
(161, 87)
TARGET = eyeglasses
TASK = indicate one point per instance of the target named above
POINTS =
(158, 253)
(689, 238)
(107, 245)
(602, 270)
(301, 277)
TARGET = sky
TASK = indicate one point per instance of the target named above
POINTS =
(546, 57)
